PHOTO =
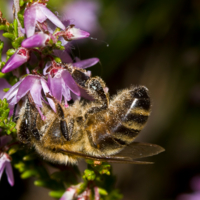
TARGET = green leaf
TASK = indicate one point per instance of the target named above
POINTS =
(48, 183)
(10, 52)
(21, 3)
(6, 89)
(59, 45)
(10, 28)
(89, 175)
(21, 18)
(17, 43)
(1, 66)
(82, 187)
(9, 35)
(56, 194)
(57, 59)
(15, 25)
(29, 173)
(29, 157)
(1, 48)
(102, 191)
(20, 166)
(13, 150)
(3, 27)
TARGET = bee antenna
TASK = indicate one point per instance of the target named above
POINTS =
(107, 45)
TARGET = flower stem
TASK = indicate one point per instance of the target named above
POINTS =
(16, 9)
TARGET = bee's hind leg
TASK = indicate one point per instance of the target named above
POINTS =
(95, 87)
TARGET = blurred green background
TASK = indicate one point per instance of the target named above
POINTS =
(154, 43)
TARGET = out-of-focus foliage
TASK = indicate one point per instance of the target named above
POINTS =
(154, 43)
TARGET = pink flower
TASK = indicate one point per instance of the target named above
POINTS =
(69, 194)
(33, 84)
(73, 33)
(5, 160)
(38, 12)
(61, 82)
(37, 40)
(20, 57)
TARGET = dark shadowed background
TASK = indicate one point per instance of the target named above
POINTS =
(154, 43)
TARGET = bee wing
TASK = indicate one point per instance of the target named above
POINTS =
(113, 159)
(140, 150)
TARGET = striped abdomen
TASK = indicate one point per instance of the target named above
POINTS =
(125, 117)
(133, 109)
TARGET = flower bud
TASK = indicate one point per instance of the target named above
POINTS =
(73, 33)
(16, 60)
(37, 40)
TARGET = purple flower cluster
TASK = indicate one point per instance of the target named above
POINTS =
(71, 193)
(5, 159)
(55, 80)
(47, 37)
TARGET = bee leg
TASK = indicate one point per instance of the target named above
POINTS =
(24, 129)
(60, 113)
(95, 86)
(33, 118)
(14, 114)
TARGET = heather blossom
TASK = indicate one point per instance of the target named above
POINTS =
(20, 57)
(39, 39)
(38, 13)
(61, 82)
(71, 193)
(5, 160)
(44, 50)
(33, 84)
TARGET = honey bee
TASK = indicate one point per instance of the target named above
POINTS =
(101, 130)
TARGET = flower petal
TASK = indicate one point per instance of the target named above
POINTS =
(9, 173)
(51, 16)
(26, 85)
(73, 33)
(47, 90)
(14, 101)
(63, 55)
(66, 92)
(36, 92)
(30, 20)
(86, 63)
(2, 165)
(17, 59)
(69, 194)
(69, 81)
(37, 40)
(55, 87)
(75, 97)
(13, 90)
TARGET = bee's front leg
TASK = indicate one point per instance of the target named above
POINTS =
(95, 87)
